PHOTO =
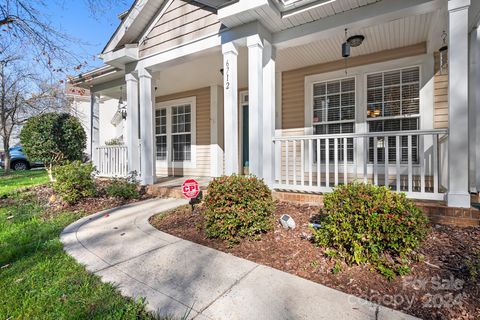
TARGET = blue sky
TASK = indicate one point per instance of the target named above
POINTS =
(75, 19)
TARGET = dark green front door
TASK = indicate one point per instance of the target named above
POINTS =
(245, 137)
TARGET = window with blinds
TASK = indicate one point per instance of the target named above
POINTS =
(393, 104)
(334, 113)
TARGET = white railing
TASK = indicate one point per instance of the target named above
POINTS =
(406, 161)
(112, 161)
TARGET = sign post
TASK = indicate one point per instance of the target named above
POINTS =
(190, 190)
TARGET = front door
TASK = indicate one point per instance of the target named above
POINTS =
(245, 158)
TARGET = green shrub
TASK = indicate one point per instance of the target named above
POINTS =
(369, 224)
(74, 181)
(122, 188)
(238, 207)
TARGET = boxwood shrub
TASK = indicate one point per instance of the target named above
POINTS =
(363, 223)
(122, 188)
(74, 181)
(238, 207)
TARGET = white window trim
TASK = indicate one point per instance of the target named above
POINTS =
(191, 164)
(426, 108)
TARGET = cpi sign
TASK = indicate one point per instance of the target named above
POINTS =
(190, 189)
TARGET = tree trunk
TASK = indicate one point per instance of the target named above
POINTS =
(49, 169)
(6, 146)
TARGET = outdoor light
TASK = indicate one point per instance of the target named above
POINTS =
(443, 67)
(351, 42)
(355, 41)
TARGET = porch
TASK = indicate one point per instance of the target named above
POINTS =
(253, 101)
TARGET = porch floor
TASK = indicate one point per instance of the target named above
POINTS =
(170, 187)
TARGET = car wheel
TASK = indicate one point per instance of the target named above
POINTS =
(20, 166)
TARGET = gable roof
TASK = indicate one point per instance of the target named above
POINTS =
(140, 16)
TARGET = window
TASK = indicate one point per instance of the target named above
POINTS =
(175, 133)
(161, 133)
(334, 113)
(393, 104)
(181, 133)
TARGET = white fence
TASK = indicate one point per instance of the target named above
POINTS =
(112, 161)
(406, 161)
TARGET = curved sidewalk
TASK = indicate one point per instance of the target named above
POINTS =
(176, 275)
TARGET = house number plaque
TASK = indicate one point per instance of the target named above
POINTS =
(227, 75)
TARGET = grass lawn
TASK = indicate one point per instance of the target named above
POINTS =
(21, 179)
(37, 279)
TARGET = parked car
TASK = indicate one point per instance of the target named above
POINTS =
(18, 160)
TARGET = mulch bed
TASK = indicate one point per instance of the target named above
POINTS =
(54, 205)
(440, 287)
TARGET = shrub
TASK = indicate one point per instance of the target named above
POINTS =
(74, 181)
(122, 188)
(369, 224)
(238, 207)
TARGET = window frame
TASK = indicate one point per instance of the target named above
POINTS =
(418, 116)
(169, 105)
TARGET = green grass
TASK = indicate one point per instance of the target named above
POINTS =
(39, 281)
(21, 179)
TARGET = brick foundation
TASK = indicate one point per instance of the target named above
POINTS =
(437, 211)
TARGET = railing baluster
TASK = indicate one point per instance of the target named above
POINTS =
(398, 160)
(318, 163)
(310, 162)
(286, 163)
(345, 156)
(295, 162)
(302, 162)
(335, 156)
(375, 161)
(410, 167)
(327, 163)
(421, 157)
(435, 163)
(386, 160)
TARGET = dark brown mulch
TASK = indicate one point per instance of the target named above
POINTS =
(440, 287)
(54, 205)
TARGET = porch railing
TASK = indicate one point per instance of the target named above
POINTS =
(112, 161)
(406, 161)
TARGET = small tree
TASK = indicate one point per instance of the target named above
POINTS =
(53, 138)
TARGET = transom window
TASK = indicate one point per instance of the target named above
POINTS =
(393, 104)
(334, 113)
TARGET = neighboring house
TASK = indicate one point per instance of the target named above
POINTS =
(218, 87)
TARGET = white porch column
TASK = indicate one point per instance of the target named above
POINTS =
(255, 104)
(475, 108)
(458, 193)
(132, 124)
(147, 118)
(269, 105)
(94, 127)
(216, 131)
(230, 91)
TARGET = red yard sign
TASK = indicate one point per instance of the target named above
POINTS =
(190, 189)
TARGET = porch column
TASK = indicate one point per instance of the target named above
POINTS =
(255, 104)
(475, 107)
(147, 144)
(458, 195)
(230, 93)
(94, 127)
(269, 105)
(132, 124)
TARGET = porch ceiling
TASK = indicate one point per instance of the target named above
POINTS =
(277, 23)
(394, 34)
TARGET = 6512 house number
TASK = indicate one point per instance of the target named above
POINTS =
(227, 75)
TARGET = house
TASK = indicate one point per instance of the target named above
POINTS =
(304, 94)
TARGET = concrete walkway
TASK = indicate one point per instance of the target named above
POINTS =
(176, 275)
